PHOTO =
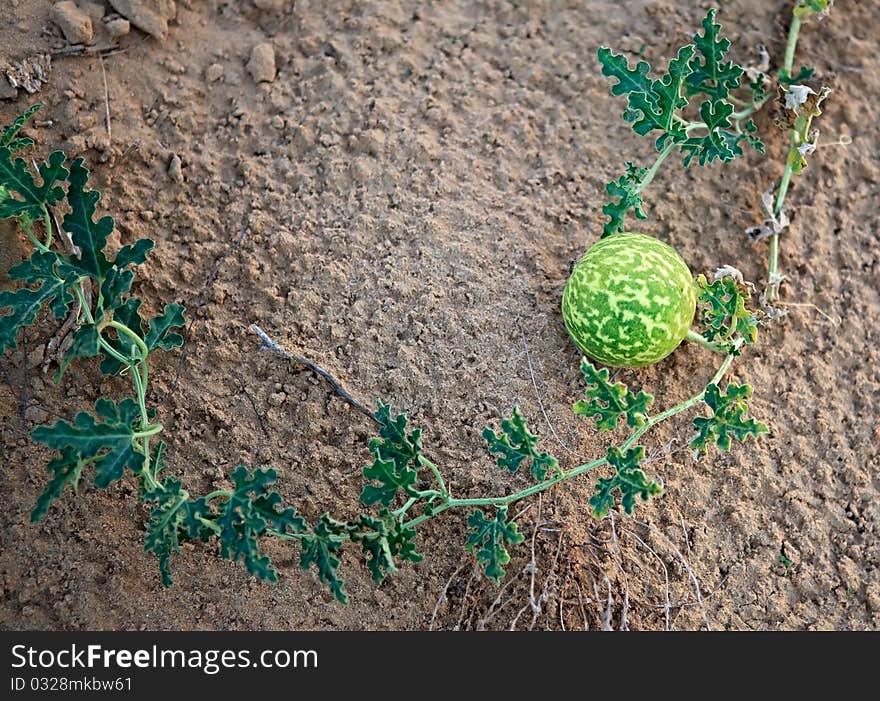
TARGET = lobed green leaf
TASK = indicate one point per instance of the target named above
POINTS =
(728, 420)
(627, 190)
(54, 281)
(629, 481)
(23, 197)
(382, 539)
(320, 548)
(250, 511)
(712, 75)
(105, 438)
(9, 133)
(516, 445)
(488, 538)
(396, 458)
(65, 469)
(607, 401)
(723, 312)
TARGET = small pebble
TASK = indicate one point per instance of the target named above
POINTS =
(36, 414)
(278, 121)
(213, 73)
(118, 27)
(95, 10)
(175, 168)
(277, 398)
(261, 65)
(74, 23)
(35, 357)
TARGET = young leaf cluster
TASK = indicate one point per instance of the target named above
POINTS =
(657, 107)
(607, 402)
(723, 313)
(728, 419)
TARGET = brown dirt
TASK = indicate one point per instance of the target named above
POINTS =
(407, 195)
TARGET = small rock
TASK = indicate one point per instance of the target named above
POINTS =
(213, 73)
(35, 357)
(174, 66)
(118, 27)
(277, 398)
(175, 168)
(36, 415)
(271, 5)
(278, 122)
(95, 10)
(74, 23)
(262, 63)
(150, 16)
(7, 92)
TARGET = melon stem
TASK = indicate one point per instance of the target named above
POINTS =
(694, 337)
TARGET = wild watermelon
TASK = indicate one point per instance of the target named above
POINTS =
(629, 301)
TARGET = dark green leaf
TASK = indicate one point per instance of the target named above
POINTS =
(64, 469)
(728, 420)
(489, 538)
(197, 522)
(390, 480)
(10, 132)
(723, 312)
(111, 439)
(630, 81)
(372, 535)
(157, 458)
(24, 198)
(657, 107)
(25, 303)
(84, 344)
(118, 279)
(401, 540)
(607, 401)
(718, 143)
(89, 235)
(804, 74)
(712, 75)
(628, 191)
(629, 481)
(171, 503)
(382, 539)
(396, 458)
(517, 444)
(394, 443)
(319, 548)
(248, 514)
(134, 253)
(159, 334)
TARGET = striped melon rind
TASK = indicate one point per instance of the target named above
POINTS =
(629, 301)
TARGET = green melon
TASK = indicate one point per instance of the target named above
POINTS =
(629, 301)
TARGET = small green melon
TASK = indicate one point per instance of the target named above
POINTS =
(629, 301)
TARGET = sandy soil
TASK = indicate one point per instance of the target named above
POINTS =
(402, 204)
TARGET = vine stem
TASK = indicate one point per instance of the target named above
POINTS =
(652, 171)
(565, 475)
(694, 337)
(774, 279)
(451, 503)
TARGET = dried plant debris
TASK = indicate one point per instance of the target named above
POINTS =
(31, 73)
